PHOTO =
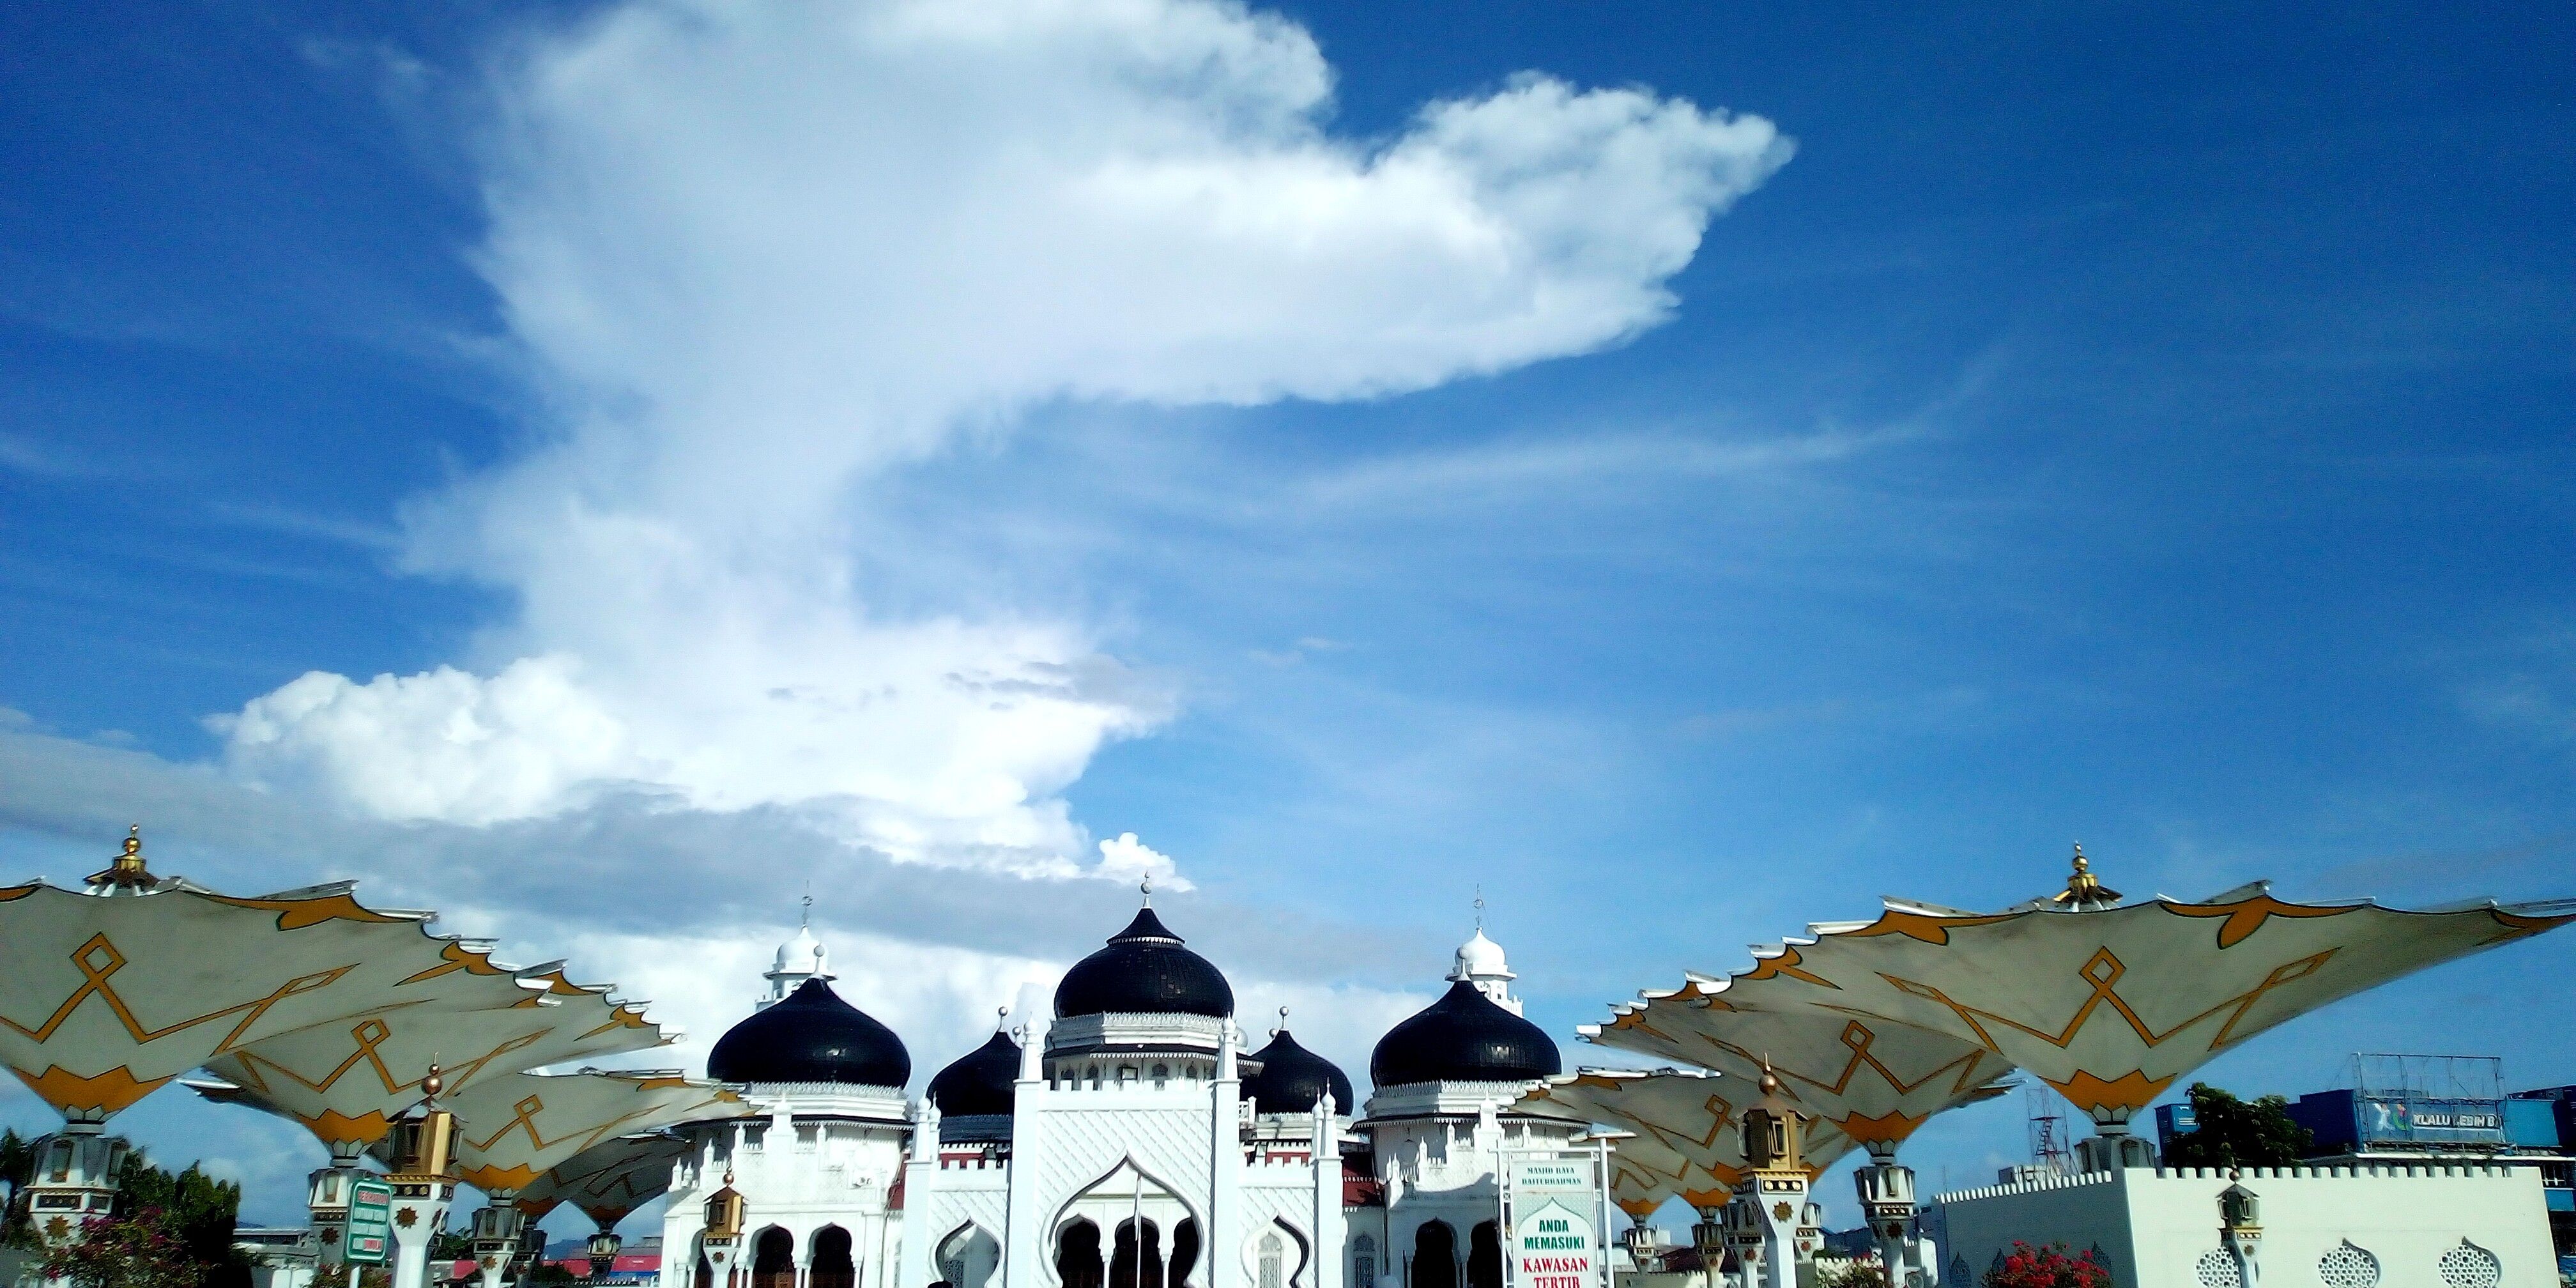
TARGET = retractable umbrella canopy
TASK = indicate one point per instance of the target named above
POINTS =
(106, 996)
(607, 1180)
(1687, 1142)
(1869, 1080)
(2110, 1003)
(515, 1128)
(346, 1081)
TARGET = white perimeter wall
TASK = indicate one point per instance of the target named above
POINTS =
(2155, 1225)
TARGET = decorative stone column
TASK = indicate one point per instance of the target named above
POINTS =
(74, 1181)
(327, 1197)
(497, 1227)
(1887, 1205)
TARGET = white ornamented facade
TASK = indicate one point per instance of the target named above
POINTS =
(1129, 1142)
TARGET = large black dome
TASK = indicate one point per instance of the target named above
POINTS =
(1143, 971)
(980, 1081)
(811, 1035)
(1292, 1078)
(1463, 1037)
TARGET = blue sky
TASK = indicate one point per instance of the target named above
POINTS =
(2143, 426)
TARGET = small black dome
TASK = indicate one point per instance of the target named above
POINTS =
(1292, 1078)
(1143, 971)
(810, 1035)
(980, 1081)
(1463, 1037)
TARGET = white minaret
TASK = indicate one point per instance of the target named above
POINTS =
(799, 959)
(1480, 962)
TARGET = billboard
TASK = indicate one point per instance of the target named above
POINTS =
(1554, 1221)
(371, 1223)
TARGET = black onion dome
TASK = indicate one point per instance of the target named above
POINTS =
(811, 1035)
(1293, 1078)
(1463, 1037)
(1144, 971)
(980, 1081)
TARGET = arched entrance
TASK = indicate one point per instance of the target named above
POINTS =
(1077, 1255)
(833, 1266)
(1129, 1270)
(1185, 1253)
(1435, 1256)
(1485, 1256)
(773, 1259)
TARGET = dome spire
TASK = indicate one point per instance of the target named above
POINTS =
(800, 959)
(1480, 962)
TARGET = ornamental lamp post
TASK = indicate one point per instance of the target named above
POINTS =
(2240, 1226)
(423, 1181)
(722, 1241)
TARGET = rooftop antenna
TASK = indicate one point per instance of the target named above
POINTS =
(2049, 1148)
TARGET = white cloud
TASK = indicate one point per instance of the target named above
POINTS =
(1125, 858)
(755, 255)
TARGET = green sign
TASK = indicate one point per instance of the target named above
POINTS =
(370, 1239)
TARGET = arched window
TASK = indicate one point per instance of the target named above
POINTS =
(1485, 1256)
(773, 1259)
(1077, 1255)
(1363, 1262)
(1274, 1261)
(1435, 1256)
(968, 1257)
(833, 1266)
(1162, 1075)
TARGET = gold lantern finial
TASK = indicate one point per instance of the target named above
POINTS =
(2083, 889)
(126, 871)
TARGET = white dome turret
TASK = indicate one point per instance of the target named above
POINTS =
(798, 960)
(1480, 962)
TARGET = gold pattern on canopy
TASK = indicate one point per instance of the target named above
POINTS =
(1871, 1081)
(515, 1128)
(104, 998)
(2111, 1004)
(1686, 1144)
(608, 1180)
(346, 1081)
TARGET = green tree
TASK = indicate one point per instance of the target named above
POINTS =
(17, 1167)
(2238, 1133)
(166, 1231)
(124, 1250)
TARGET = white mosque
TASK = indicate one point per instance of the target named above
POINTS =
(1133, 1143)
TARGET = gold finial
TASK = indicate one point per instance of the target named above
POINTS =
(1770, 1081)
(126, 871)
(2084, 889)
(435, 1082)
